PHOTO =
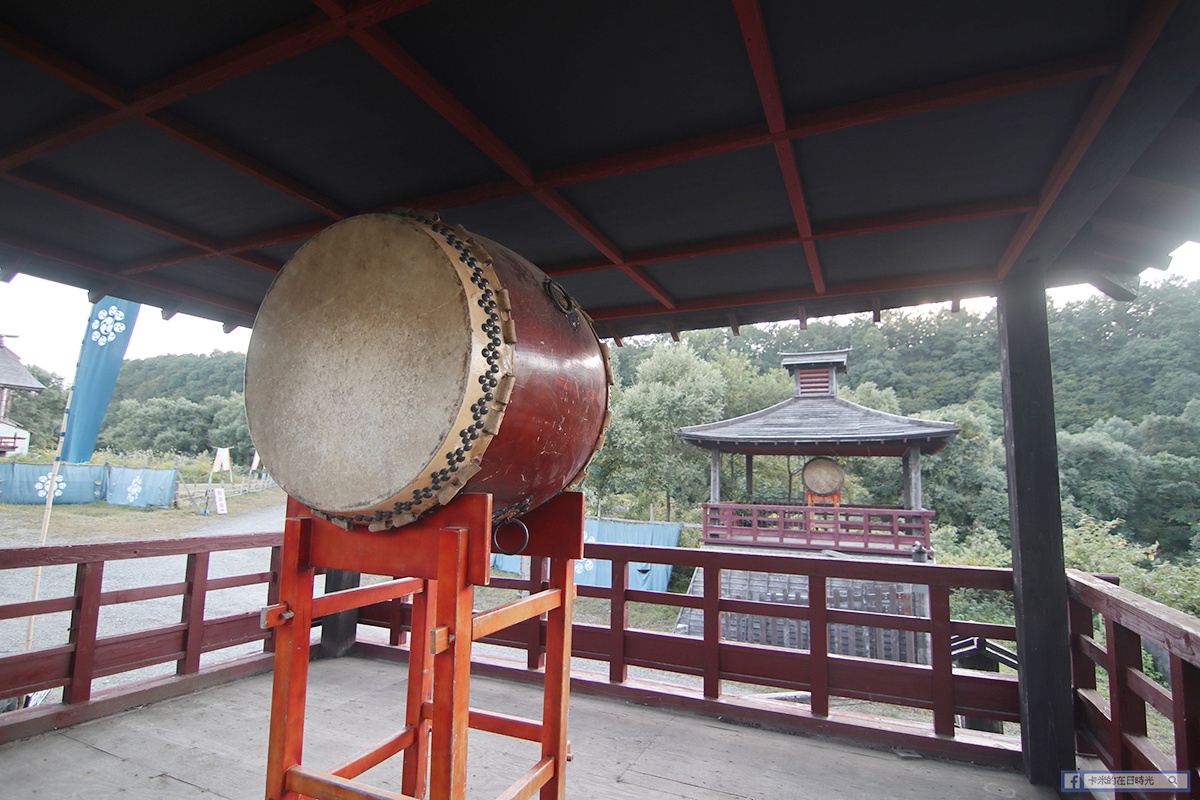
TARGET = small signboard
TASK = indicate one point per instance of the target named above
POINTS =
(219, 500)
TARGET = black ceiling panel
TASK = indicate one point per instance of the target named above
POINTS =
(525, 226)
(561, 82)
(760, 270)
(147, 169)
(693, 201)
(833, 53)
(339, 122)
(33, 100)
(994, 149)
(966, 245)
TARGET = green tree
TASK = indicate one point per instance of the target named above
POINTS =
(41, 414)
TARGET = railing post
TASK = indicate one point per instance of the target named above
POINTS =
(941, 661)
(712, 632)
(618, 622)
(1083, 670)
(1185, 701)
(818, 646)
(194, 596)
(1128, 711)
(89, 576)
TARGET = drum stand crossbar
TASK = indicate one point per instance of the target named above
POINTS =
(443, 555)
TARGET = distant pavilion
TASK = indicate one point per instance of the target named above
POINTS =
(815, 422)
(14, 377)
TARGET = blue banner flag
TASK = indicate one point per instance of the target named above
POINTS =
(104, 343)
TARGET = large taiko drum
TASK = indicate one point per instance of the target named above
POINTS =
(396, 362)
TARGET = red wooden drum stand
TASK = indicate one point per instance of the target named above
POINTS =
(445, 555)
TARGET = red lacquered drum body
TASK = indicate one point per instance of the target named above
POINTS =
(396, 362)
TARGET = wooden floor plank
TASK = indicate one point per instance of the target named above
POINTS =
(212, 744)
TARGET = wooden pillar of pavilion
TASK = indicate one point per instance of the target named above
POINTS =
(910, 463)
(714, 485)
(1035, 523)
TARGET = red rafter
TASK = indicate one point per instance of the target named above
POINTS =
(384, 49)
(754, 35)
(27, 176)
(108, 270)
(1149, 24)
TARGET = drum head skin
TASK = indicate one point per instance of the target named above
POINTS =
(823, 476)
(384, 361)
(359, 363)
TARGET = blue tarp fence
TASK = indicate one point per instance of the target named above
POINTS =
(28, 484)
(597, 572)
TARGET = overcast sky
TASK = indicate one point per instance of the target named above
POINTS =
(48, 320)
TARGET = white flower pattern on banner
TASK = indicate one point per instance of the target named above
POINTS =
(107, 324)
(134, 491)
(583, 565)
(43, 485)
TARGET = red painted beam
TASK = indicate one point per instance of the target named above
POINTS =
(248, 56)
(758, 49)
(1149, 25)
(101, 267)
(851, 227)
(933, 280)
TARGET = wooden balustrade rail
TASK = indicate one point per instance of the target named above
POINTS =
(939, 687)
(89, 655)
(850, 528)
(1114, 727)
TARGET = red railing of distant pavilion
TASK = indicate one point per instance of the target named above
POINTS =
(824, 527)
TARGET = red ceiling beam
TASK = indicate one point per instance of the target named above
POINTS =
(66, 70)
(248, 56)
(754, 36)
(935, 280)
(31, 178)
(1149, 25)
(384, 49)
(108, 270)
(912, 219)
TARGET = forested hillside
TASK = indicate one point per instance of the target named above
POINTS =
(1127, 379)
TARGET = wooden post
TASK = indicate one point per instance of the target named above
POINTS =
(910, 463)
(941, 661)
(451, 667)
(84, 618)
(1035, 523)
(618, 622)
(712, 631)
(415, 776)
(557, 683)
(193, 613)
(714, 481)
(290, 684)
(749, 476)
(818, 645)
(339, 631)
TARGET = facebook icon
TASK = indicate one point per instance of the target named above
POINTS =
(1072, 780)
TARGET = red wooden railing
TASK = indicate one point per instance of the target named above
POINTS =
(1114, 727)
(89, 655)
(871, 529)
(938, 687)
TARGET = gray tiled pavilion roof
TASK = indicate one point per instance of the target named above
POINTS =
(13, 374)
(821, 425)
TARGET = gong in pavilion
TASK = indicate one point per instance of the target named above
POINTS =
(815, 422)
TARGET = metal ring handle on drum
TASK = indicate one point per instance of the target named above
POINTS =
(496, 540)
(558, 296)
